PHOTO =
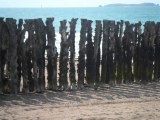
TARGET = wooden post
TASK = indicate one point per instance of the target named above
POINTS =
(104, 70)
(136, 57)
(1, 20)
(12, 53)
(32, 56)
(40, 45)
(89, 52)
(157, 53)
(111, 53)
(128, 41)
(63, 63)
(96, 57)
(118, 54)
(20, 38)
(149, 39)
(82, 51)
(51, 55)
(71, 39)
(5, 44)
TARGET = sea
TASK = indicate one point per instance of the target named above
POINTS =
(127, 13)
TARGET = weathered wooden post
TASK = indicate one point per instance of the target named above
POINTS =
(71, 39)
(40, 45)
(128, 41)
(111, 54)
(4, 47)
(12, 53)
(136, 57)
(149, 39)
(96, 56)
(20, 40)
(157, 53)
(23, 58)
(105, 42)
(63, 63)
(51, 55)
(89, 54)
(118, 53)
(1, 20)
(82, 51)
(32, 56)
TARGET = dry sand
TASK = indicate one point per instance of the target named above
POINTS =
(124, 102)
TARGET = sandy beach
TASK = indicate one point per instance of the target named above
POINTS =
(124, 102)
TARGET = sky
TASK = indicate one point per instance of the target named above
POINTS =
(67, 3)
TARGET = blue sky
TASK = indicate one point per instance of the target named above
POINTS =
(66, 3)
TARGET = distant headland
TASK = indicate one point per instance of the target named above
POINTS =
(121, 4)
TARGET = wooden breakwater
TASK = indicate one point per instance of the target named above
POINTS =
(118, 52)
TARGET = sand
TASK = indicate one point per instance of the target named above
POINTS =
(124, 102)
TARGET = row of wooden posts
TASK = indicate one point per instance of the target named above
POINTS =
(119, 52)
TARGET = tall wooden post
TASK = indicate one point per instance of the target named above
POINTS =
(118, 54)
(96, 57)
(1, 20)
(12, 53)
(82, 51)
(20, 38)
(71, 39)
(104, 70)
(23, 58)
(148, 49)
(111, 53)
(40, 45)
(136, 57)
(63, 63)
(89, 52)
(128, 41)
(51, 54)
(157, 53)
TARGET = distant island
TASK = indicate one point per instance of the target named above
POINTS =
(120, 4)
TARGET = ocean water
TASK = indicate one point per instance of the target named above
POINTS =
(131, 13)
